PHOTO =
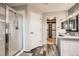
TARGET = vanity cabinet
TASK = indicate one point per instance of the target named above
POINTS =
(68, 46)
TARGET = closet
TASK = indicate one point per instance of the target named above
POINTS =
(51, 30)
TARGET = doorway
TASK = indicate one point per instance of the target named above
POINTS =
(51, 30)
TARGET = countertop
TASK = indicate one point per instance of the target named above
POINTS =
(69, 37)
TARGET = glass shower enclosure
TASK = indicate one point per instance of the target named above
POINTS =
(11, 31)
(2, 29)
(15, 33)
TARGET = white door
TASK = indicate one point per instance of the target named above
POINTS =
(35, 30)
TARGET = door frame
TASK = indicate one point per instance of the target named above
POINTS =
(45, 30)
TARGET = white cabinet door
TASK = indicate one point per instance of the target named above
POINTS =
(69, 47)
(35, 30)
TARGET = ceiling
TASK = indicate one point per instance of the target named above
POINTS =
(46, 7)
(16, 4)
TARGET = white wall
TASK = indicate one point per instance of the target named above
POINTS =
(34, 16)
(26, 11)
(59, 15)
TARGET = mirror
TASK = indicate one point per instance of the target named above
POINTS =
(65, 25)
(73, 24)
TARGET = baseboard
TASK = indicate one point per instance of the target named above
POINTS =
(19, 53)
(23, 50)
(27, 50)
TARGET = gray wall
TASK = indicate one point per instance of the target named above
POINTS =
(73, 9)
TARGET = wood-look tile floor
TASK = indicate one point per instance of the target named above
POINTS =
(45, 50)
(51, 41)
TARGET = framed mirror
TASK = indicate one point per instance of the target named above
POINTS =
(73, 24)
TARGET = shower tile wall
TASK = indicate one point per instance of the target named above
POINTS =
(73, 9)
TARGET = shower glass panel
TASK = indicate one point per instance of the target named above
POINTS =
(13, 33)
(20, 31)
(2, 29)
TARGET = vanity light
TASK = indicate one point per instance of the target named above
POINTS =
(70, 16)
(78, 12)
(74, 14)
(65, 19)
(62, 20)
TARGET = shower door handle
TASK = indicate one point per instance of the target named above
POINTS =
(7, 38)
